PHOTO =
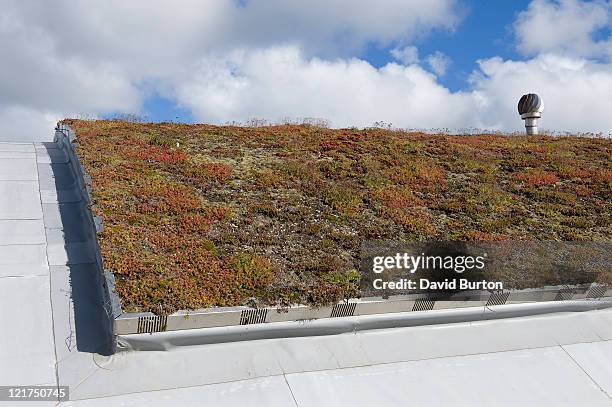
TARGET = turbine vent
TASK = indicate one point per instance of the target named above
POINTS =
(530, 107)
(530, 103)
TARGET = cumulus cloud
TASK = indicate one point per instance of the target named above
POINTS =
(407, 55)
(157, 38)
(38, 84)
(576, 91)
(281, 58)
(566, 27)
(20, 123)
(277, 82)
(438, 62)
(87, 56)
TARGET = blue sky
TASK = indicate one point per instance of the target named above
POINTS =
(484, 31)
(160, 109)
(350, 62)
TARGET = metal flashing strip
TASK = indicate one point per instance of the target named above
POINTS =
(169, 340)
(65, 139)
(127, 324)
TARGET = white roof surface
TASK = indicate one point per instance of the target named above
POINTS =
(51, 333)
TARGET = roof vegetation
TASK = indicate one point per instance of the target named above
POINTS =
(200, 215)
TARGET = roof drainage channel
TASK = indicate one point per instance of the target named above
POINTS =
(146, 322)
(332, 326)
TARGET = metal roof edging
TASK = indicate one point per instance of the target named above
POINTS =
(169, 340)
(65, 138)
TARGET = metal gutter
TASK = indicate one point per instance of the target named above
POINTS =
(163, 341)
(135, 323)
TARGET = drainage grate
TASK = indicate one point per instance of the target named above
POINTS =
(423, 304)
(150, 324)
(498, 298)
(343, 310)
(565, 294)
(597, 291)
(253, 316)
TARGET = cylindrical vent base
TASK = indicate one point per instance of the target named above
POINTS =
(531, 125)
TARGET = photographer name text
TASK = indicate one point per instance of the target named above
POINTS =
(425, 284)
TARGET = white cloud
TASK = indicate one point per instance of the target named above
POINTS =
(576, 91)
(407, 55)
(37, 80)
(280, 58)
(565, 26)
(438, 62)
(19, 123)
(89, 56)
(156, 38)
(278, 82)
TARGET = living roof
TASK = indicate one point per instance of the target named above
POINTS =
(199, 215)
